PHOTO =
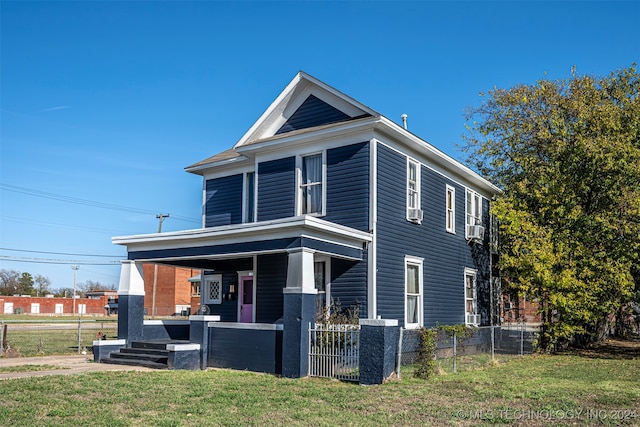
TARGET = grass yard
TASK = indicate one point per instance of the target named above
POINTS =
(600, 387)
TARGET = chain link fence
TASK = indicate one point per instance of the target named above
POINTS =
(509, 339)
(19, 338)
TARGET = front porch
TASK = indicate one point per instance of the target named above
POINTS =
(260, 286)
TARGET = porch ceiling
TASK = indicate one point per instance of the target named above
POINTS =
(232, 241)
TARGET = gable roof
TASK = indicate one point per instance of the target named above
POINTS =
(294, 108)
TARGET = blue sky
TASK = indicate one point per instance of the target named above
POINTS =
(107, 102)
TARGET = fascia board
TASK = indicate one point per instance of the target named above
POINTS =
(438, 157)
(299, 84)
(277, 103)
(200, 169)
(343, 129)
(282, 228)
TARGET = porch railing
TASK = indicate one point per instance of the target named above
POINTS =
(334, 351)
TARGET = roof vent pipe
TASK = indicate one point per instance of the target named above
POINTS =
(404, 120)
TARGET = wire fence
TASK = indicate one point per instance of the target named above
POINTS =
(492, 341)
(44, 338)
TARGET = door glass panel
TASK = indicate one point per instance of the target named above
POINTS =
(247, 292)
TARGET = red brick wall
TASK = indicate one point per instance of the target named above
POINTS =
(172, 288)
(48, 305)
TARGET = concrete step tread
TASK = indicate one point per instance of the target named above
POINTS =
(136, 362)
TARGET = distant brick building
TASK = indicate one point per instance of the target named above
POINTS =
(50, 305)
(173, 290)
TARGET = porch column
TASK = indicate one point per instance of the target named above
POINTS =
(130, 302)
(299, 313)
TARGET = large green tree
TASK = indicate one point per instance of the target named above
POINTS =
(567, 155)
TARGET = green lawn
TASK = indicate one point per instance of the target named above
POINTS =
(591, 388)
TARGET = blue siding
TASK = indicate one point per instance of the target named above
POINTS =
(271, 280)
(349, 283)
(348, 186)
(445, 254)
(276, 189)
(228, 309)
(223, 201)
(312, 112)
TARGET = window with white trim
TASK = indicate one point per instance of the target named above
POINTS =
(311, 186)
(471, 316)
(450, 203)
(35, 308)
(413, 191)
(473, 210)
(212, 289)
(321, 277)
(249, 197)
(413, 292)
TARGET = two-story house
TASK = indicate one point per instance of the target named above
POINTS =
(324, 199)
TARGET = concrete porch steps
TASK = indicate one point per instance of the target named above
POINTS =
(150, 354)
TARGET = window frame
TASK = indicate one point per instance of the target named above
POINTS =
(419, 262)
(476, 210)
(470, 272)
(204, 296)
(450, 211)
(410, 191)
(327, 277)
(300, 185)
(249, 198)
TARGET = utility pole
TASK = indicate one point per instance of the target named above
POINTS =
(75, 269)
(161, 218)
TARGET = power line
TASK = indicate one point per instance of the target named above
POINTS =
(60, 253)
(86, 202)
(56, 261)
(105, 231)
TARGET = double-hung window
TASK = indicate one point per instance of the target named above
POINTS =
(250, 197)
(471, 316)
(473, 210)
(450, 218)
(413, 292)
(413, 191)
(312, 191)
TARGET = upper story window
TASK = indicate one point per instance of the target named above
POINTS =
(474, 215)
(250, 197)
(471, 316)
(414, 212)
(413, 292)
(311, 188)
(450, 202)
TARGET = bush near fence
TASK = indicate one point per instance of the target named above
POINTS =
(19, 339)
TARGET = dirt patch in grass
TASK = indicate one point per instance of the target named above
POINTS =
(613, 349)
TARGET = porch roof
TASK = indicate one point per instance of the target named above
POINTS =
(238, 240)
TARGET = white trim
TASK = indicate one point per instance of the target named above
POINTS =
(372, 297)
(476, 206)
(470, 272)
(203, 318)
(280, 228)
(378, 322)
(450, 189)
(165, 322)
(254, 326)
(408, 259)
(105, 343)
(425, 161)
(241, 274)
(183, 347)
(204, 290)
(302, 84)
(413, 162)
(318, 257)
(298, 183)
(245, 195)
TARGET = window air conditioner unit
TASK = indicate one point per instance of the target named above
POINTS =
(475, 232)
(415, 215)
(473, 319)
